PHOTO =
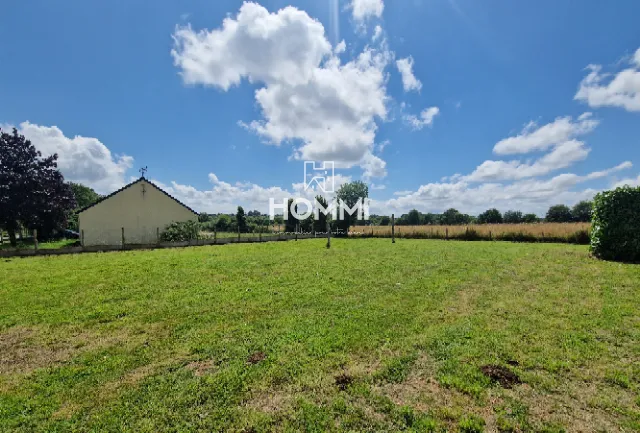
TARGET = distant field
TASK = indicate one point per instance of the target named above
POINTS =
(368, 335)
(547, 232)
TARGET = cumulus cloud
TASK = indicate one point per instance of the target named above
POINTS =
(409, 81)
(534, 138)
(84, 160)
(225, 197)
(530, 195)
(621, 89)
(308, 95)
(426, 118)
(363, 9)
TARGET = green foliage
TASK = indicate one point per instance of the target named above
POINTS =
(513, 217)
(320, 224)
(385, 221)
(413, 218)
(454, 217)
(350, 193)
(84, 195)
(33, 192)
(615, 234)
(241, 220)
(559, 214)
(491, 216)
(223, 223)
(181, 231)
(530, 218)
(471, 424)
(582, 211)
(291, 223)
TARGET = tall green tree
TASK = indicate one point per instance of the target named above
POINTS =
(241, 220)
(320, 223)
(291, 223)
(582, 211)
(84, 195)
(513, 217)
(350, 193)
(490, 216)
(33, 192)
(452, 217)
(559, 214)
(414, 217)
(530, 218)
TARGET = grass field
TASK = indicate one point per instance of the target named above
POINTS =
(418, 336)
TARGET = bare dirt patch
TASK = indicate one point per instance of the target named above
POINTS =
(21, 352)
(256, 357)
(502, 375)
(200, 368)
(343, 381)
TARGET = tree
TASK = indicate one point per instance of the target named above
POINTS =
(513, 217)
(320, 224)
(582, 211)
(223, 223)
(241, 220)
(84, 195)
(385, 221)
(558, 214)
(414, 217)
(204, 217)
(350, 193)
(491, 216)
(291, 223)
(530, 218)
(33, 192)
(452, 217)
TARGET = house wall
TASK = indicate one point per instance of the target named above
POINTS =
(140, 213)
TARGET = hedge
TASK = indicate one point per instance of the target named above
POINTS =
(615, 231)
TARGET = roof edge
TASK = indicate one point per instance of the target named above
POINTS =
(131, 184)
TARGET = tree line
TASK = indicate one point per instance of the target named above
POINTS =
(560, 213)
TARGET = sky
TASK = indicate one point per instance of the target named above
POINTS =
(433, 103)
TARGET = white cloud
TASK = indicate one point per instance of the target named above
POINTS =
(409, 81)
(530, 195)
(340, 48)
(363, 9)
(623, 90)
(534, 138)
(425, 119)
(563, 155)
(627, 182)
(84, 160)
(308, 94)
(377, 33)
(224, 197)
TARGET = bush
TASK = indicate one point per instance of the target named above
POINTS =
(615, 232)
(181, 231)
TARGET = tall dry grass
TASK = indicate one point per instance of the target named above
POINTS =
(538, 232)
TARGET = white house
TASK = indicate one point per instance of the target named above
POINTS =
(137, 213)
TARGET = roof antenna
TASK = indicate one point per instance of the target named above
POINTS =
(143, 171)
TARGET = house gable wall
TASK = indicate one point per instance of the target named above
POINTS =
(142, 209)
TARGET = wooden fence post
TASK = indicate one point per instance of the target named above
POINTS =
(328, 235)
(490, 236)
(446, 233)
(35, 239)
(393, 228)
(238, 232)
(123, 238)
(215, 234)
(82, 237)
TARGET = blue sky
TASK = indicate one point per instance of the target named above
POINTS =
(434, 103)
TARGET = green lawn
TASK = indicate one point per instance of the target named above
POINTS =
(289, 336)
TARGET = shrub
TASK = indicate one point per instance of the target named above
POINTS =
(181, 231)
(615, 232)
